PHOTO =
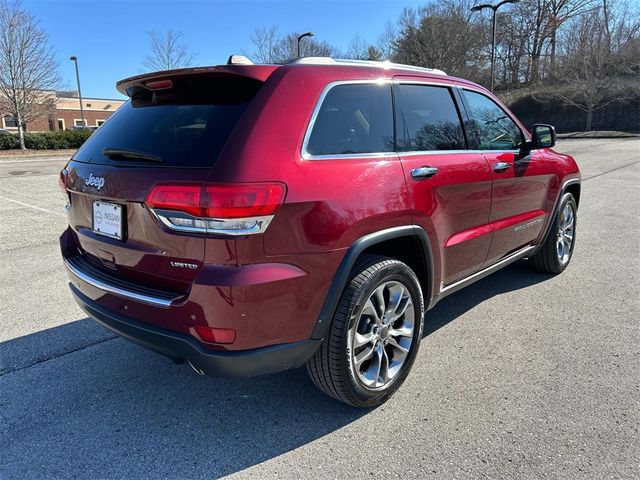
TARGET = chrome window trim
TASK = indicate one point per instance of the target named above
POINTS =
(432, 83)
(414, 153)
(508, 113)
(120, 292)
(395, 154)
(312, 121)
(452, 152)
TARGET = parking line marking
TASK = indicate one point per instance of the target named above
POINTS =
(32, 206)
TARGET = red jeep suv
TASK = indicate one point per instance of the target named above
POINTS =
(249, 219)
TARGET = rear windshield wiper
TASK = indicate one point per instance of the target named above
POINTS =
(125, 154)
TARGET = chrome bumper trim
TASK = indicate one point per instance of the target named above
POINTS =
(120, 292)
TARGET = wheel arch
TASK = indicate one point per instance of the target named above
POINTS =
(574, 189)
(571, 186)
(410, 244)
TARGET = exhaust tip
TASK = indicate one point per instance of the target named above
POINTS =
(199, 371)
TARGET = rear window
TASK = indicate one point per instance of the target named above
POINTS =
(353, 119)
(187, 125)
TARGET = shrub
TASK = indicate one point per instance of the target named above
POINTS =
(47, 140)
(8, 142)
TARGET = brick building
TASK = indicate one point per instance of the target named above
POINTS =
(66, 114)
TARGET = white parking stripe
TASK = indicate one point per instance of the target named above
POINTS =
(32, 206)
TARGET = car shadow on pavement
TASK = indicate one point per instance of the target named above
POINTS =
(114, 410)
(513, 277)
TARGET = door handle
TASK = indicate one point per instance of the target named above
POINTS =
(501, 166)
(423, 172)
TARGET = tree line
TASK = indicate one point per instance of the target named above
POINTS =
(584, 53)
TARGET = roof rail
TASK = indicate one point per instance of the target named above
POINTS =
(361, 63)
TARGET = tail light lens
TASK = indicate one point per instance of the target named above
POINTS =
(183, 198)
(223, 209)
(62, 180)
(243, 200)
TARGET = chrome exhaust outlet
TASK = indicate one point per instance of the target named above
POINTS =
(196, 369)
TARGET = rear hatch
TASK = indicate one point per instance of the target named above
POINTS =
(172, 130)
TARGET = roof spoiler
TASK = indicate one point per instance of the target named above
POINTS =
(161, 79)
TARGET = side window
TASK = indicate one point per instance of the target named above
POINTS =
(495, 130)
(427, 119)
(353, 118)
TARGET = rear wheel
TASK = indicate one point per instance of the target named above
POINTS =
(374, 336)
(557, 249)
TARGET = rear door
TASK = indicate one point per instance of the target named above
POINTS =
(173, 134)
(449, 185)
(520, 178)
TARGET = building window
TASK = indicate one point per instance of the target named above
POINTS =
(10, 122)
(61, 124)
(78, 122)
(88, 105)
(99, 122)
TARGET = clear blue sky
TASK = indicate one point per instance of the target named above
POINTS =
(110, 39)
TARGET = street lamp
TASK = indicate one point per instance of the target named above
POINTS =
(74, 59)
(308, 34)
(495, 8)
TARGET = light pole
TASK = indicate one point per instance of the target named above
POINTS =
(74, 59)
(308, 34)
(495, 8)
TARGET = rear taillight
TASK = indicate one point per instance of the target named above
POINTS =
(62, 180)
(223, 209)
(184, 198)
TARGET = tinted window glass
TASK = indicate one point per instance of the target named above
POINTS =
(185, 126)
(494, 128)
(353, 119)
(428, 119)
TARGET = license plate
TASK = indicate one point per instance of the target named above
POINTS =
(107, 219)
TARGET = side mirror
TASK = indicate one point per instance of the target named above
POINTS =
(542, 136)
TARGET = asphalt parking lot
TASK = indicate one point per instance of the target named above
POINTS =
(521, 375)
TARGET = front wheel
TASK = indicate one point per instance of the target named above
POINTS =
(557, 249)
(374, 336)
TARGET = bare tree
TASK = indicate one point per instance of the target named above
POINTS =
(440, 35)
(273, 47)
(511, 50)
(167, 51)
(358, 49)
(596, 63)
(28, 69)
(265, 40)
(386, 42)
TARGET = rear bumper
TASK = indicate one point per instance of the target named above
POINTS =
(179, 346)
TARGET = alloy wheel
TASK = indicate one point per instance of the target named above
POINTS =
(380, 339)
(566, 233)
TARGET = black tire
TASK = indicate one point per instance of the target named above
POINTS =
(547, 258)
(331, 368)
